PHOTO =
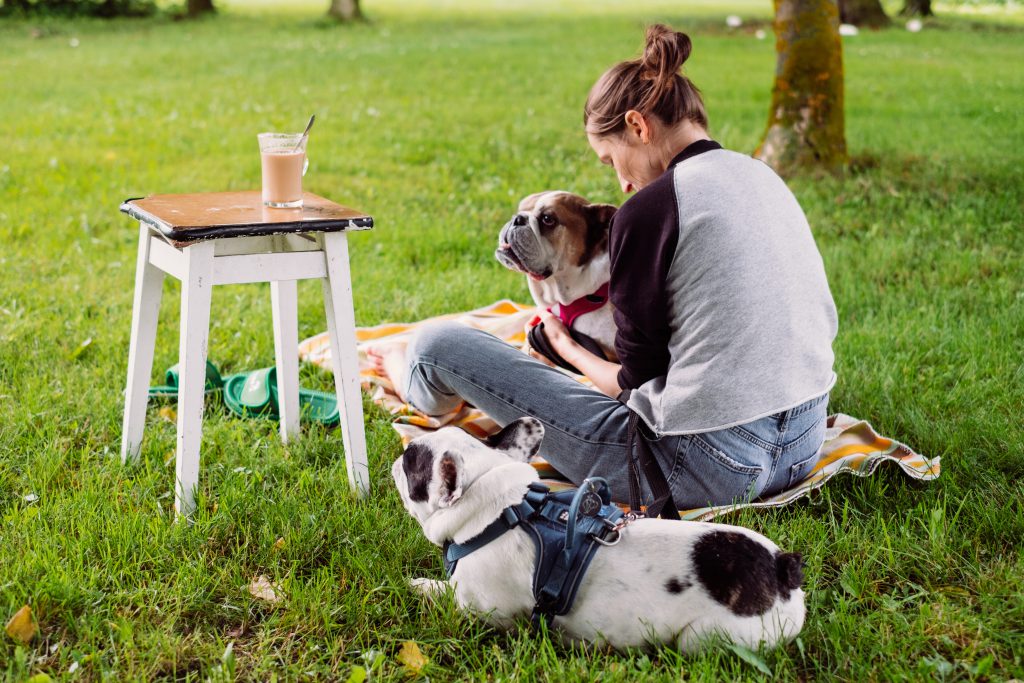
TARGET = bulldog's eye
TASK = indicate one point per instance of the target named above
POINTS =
(548, 220)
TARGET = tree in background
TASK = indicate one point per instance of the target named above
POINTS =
(195, 8)
(863, 13)
(921, 8)
(345, 10)
(806, 129)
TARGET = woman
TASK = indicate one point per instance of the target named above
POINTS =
(724, 315)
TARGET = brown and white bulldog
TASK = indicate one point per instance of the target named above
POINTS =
(560, 241)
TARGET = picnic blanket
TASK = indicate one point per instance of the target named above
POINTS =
(851, 445)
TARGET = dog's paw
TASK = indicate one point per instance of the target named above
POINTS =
(428, 587)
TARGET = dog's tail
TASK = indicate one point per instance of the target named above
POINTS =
(789, 568)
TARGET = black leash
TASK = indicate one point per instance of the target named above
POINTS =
(641, 459)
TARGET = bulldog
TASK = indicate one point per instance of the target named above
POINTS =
(560, 242)
(663, 582)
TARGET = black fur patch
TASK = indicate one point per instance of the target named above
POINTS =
(418, 463)
(737, 571)
(674, 585)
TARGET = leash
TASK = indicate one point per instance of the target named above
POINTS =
(641, 458)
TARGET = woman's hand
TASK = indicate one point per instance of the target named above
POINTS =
(604, 374)
(558, 336)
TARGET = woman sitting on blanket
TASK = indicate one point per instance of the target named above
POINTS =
(724, 315)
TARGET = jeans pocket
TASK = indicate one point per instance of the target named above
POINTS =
(803, 451)
(799, 471)
(707, 476)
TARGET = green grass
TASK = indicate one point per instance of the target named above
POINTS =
(436, 118)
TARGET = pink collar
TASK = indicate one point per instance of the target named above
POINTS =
(583, 305)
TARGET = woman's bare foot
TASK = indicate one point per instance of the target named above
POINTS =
(389, 363)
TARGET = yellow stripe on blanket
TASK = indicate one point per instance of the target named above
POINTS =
(851, 445)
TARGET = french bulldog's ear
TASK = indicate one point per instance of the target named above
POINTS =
(600, 214)
(449, 471)
(520, 439)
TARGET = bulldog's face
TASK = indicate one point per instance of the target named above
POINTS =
(435, 469)
(554, 232)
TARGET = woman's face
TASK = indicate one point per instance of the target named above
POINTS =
(632, 160)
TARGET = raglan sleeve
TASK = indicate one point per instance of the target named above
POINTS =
(641, 248)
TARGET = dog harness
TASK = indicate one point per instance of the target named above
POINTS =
(582, 306)
(566, 528)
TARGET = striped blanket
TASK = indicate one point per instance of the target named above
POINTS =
(851, 445)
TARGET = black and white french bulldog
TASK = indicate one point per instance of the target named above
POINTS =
(665, 581)
(560, 241)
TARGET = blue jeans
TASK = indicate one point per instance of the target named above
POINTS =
(586, 432)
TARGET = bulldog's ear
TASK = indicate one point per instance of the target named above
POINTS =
(449, 472)
(600, 214)
(520, 439)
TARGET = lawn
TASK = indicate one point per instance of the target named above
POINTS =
(436, 118)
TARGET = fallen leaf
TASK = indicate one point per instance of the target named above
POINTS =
(411, 657)
(22, 627)
(39, 678)
(358, 675)
(168, 413)
(80, 349)
(262, 589)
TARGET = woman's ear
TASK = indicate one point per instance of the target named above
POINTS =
(449, 472)
(637, 126)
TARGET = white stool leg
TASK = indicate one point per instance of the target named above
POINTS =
(341, 324)
(284, 299)
(145, 311)
(196, 288)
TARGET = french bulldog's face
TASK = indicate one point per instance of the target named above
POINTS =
(554, 232)
(435, 469)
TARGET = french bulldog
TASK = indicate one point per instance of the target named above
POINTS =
(560, 242)
(664, 582)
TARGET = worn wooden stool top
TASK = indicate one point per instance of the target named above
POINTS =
(184, 219)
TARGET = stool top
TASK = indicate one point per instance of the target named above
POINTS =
(187, 218)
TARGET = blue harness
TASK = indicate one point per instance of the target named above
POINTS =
(564, 549)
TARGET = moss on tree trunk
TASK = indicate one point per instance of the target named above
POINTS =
(806, 129)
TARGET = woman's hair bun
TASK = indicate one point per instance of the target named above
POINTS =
(664, 53)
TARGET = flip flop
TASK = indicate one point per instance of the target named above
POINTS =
(254, 394)
(214, 382)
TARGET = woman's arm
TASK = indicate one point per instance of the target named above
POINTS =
(604, 374)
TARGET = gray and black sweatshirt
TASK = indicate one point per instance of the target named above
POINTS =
(723, 310)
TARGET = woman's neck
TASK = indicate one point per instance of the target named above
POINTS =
(671, 141)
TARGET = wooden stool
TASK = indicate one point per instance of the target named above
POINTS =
(231, 238)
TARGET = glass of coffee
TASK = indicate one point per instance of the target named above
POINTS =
(284, 162)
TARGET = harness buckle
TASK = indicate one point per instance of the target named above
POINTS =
(606, 542)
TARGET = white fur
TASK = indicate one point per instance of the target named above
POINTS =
(622, 600)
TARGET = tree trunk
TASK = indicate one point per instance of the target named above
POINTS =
(863, 13)
(921, 8)
(197, 7)
(806, 130)
(345, 10)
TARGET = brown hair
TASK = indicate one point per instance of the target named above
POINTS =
(651, 84)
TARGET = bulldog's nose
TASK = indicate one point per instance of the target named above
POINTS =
(520, 220)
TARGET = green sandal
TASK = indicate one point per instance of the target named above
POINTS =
(214, 382)
(254, 394)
